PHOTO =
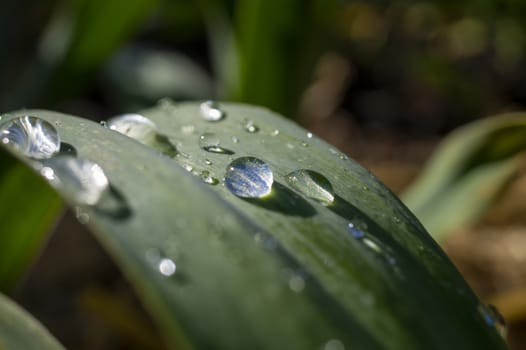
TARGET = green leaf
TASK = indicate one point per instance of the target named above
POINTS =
(35, 206)
(18, 330)
(468, 171)
(280, 272)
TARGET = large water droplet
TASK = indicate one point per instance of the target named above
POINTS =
(211, 143)
(312, 184)
(32, 136)
(83, 181)
(143, 130)
(211, 112)
(249, 177)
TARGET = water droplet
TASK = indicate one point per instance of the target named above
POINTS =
(311, 184)
(372, 245)
(275, 132)
(32, 136)
(251, 127)
(334, 344)
(211, 143)
(305, 144)
(343, 156)
(208, 162)
(48, 173)
(493, 318)
(290, 146)
(235, 139)
(188, 167)
(296, 283)
(249, 177)
(211, 112)
(355, 231)
(167, 267)
(104, 124)
(83, 181)
(208, 178)
(309, 135)
(142, 130)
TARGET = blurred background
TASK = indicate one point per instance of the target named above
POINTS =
(384, 81)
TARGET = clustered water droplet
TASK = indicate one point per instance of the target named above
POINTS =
(211, 111)
(311, 184)
(249, 177)
(31, 136)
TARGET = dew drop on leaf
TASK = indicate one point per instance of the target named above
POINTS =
(83, 181)
(275, 132)
(312, 184)
(211, 143)
(32, 136)
(355, 231)
(211, 111)
(208, 178)
(296, 283)
(167, 267)
(250, 127)
(249, 177)
(142, 130)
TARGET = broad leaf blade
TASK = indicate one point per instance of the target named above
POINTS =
(468, 171)
(18, 330)
(280, 272)
(35, 205)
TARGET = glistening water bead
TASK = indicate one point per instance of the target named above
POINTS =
(211, 143)
(211, 111)
(249, 177)
(312, 184)
(83, 181)
(32, 136)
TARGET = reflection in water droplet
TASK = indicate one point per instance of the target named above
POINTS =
(32, 136)
(249, 177)
(334, 344)
(211, 112)
(311, 184)
(355, 231)
(309, 135)
(142, 130)
(493, 318)
(208, 178)
(83, 181)
(167, 267)
(211, 143)
(296, 283)
(251, 127)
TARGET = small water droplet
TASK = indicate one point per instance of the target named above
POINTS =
(142, 130)
(208, 162)
(334, 344)
(290, 146)
(208, 178)
(355, 231)
(211, 112)
(305, 144)
(275, 132)
(235, 139)
(81, 215)
(48, 173)
(167, 267)
(296, 283)
(187, 129)
(309, 135)
(211, 143)
(343, 156)
(493, 318)
(372, 245)
(312, 184)
(251, 127)
(249, 177)
(188, 167)
(32, 136)
(104, 124)
(83, 181)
